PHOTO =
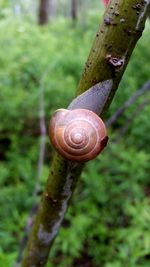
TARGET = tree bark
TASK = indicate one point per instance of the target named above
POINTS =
(74, 10)
(43, 16)
(115, 40)
(52, 8)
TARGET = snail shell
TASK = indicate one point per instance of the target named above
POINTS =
(78, 135)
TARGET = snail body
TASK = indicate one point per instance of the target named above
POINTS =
(78, 135)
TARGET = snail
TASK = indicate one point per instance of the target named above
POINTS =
(78, 133)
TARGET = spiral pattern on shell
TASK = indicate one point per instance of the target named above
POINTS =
(78, 135)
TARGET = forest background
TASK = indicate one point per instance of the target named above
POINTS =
(108, 221)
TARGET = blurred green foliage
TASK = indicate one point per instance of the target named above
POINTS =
(108, 222)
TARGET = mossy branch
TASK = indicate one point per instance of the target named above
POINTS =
(122, 26)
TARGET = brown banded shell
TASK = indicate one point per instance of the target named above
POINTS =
(78, 135)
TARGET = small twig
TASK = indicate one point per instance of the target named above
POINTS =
(36, 190)
(39, 169)
(125, 127)
(129, 102)
(26, 233)
(42, 137)
(42, 125)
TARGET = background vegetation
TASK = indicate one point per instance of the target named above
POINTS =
(108, 222)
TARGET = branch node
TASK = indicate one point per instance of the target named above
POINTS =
(116, 62)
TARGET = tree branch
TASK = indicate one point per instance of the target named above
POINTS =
(116, 38)
(122, 26)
